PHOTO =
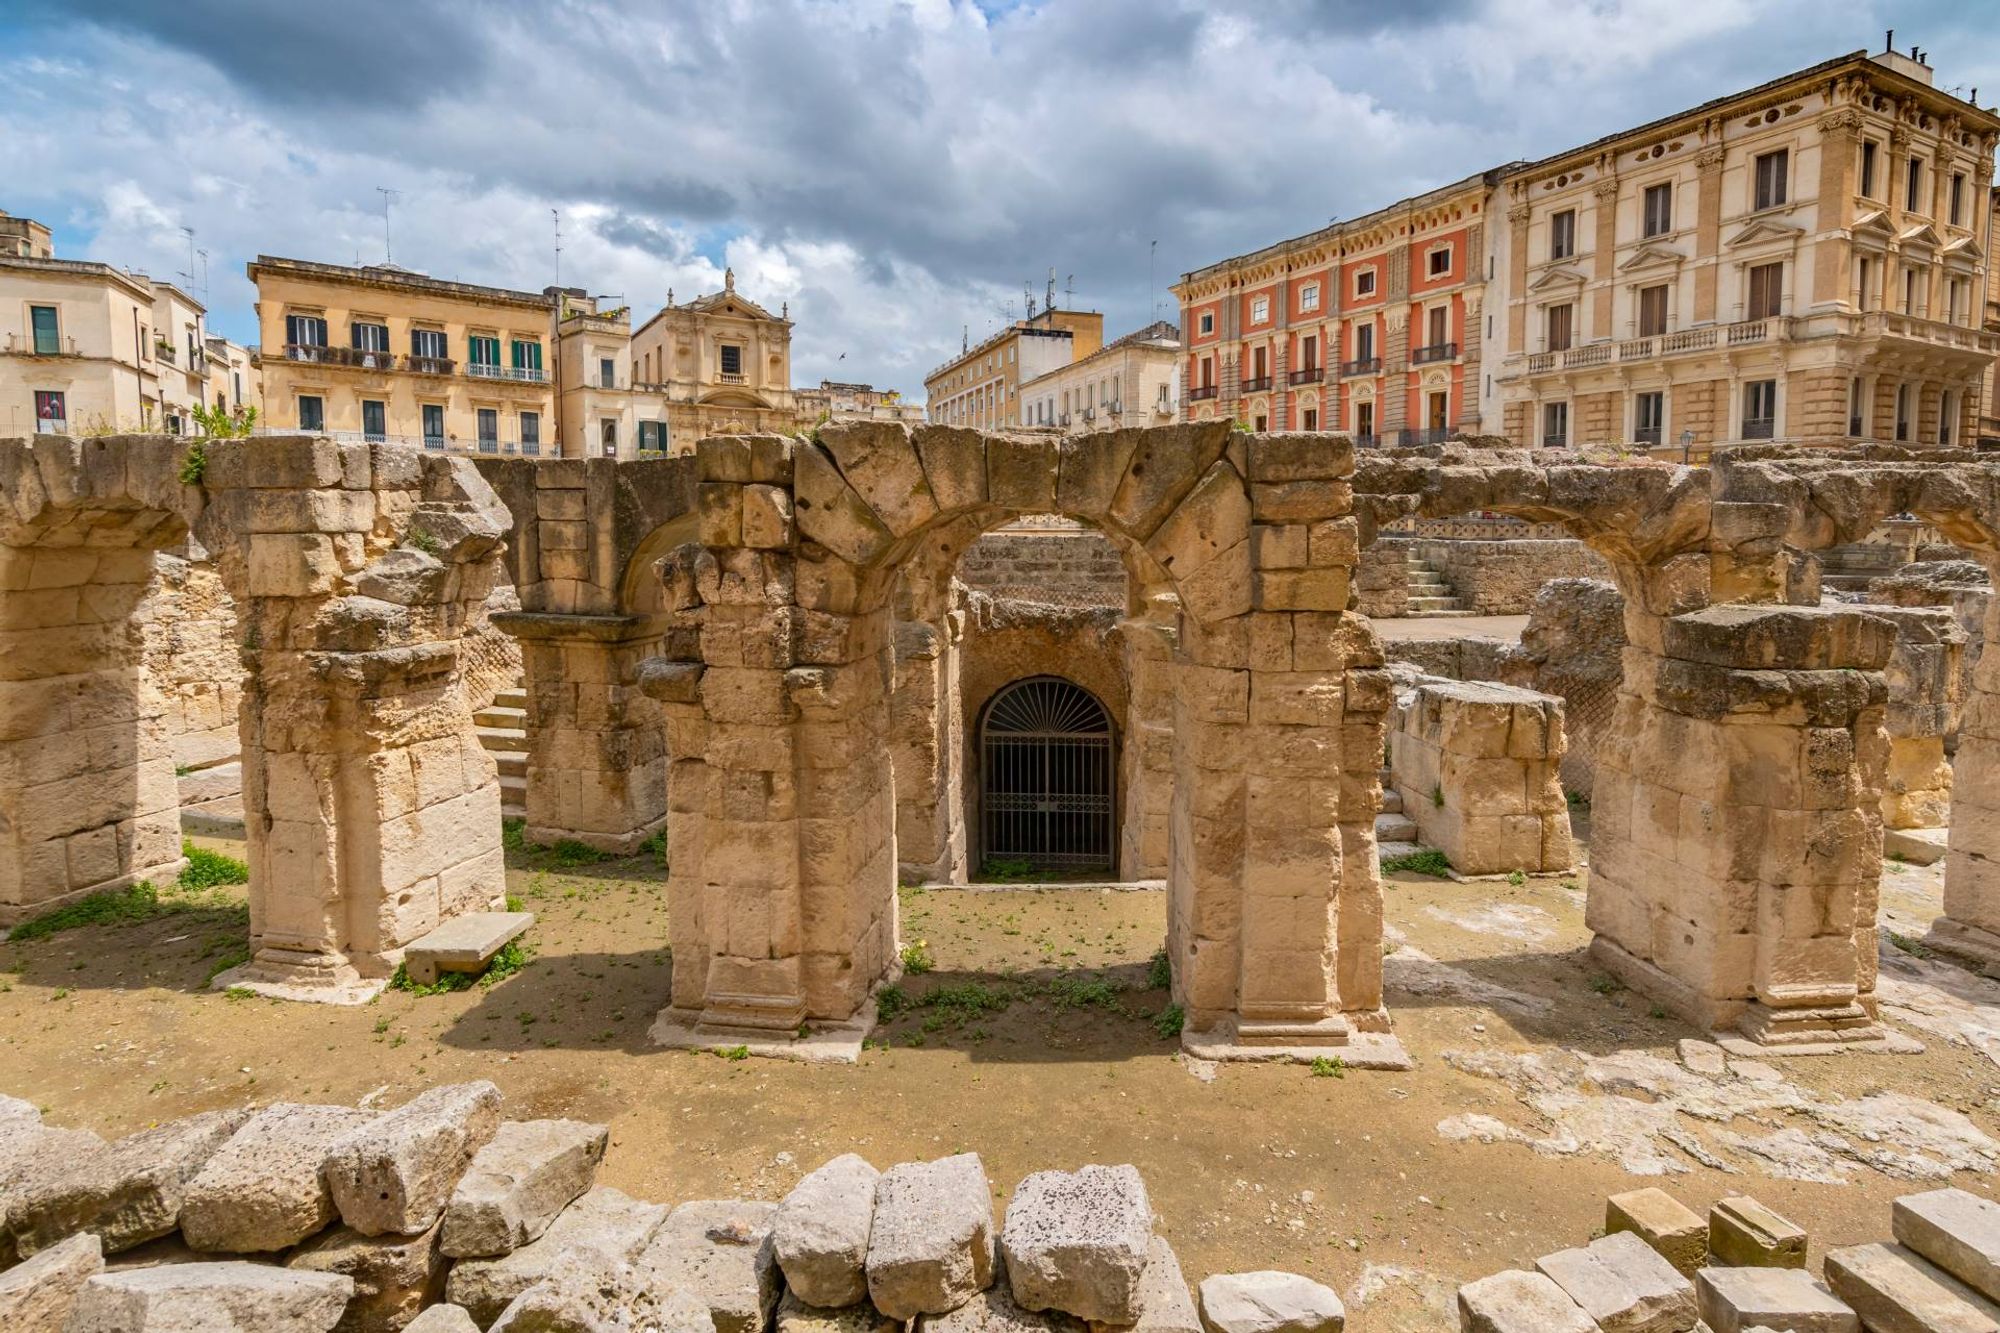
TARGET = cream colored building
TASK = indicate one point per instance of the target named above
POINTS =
(981, 386)
(235, 379)
(1131, 381)
(717, 365)
(837, 401)
(25, 238)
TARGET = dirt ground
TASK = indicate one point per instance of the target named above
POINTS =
(1032, 1040)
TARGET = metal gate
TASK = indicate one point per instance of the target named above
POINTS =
(1046, 786)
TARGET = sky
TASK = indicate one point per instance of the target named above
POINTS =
(898, 171)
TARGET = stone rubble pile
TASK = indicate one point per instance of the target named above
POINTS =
(1660, 1268)
(438, 1217)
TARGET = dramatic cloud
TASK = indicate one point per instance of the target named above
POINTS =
(896, 170)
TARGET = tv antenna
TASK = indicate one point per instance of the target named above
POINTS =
(1028, 298)
(204, 275)
(1069, 292)
(187, 274)
(388, 254)
(557, 217)
(1152, 291)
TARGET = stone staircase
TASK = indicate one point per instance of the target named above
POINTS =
(503, 730)
(1430, 595)
(1392, 825)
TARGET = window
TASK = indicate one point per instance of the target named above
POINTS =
(1309, 296)
(1910, 291)
(428, 344)
(369, 337)
(1438, 262)
(1555, 423)
(374, 420)
(1868, 155)
(1946, 405)
(652, 437)
(1659, 209)
(527, 358)
(1653, 311)
(434, 425)
(1562, 234)
(1309, 419)
(1259, 369)
(1854, 406)
(1438, 327)
(312, 413)
(1957, 196)
(607, 435)
(1649, 416)
(48, 333)
(482, 356)
(1364, 342)
(1913, 186)
(489, 430)
(1902, 411)
(305, 335)
(51, 412)
(1207, 373)
(1760, 409)
(1561, 318)
(732, 359)
(1263, 422)
(1364, 282)
(1767, 291)
(236, 379)
(607, 372)
(1364, 422)
(1864, 284)
(1771, 178)
(1260, 309)
(1309, 353)
(531, 430)
(1208, 321)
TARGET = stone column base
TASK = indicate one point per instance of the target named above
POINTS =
(1967, 945)
(313, 978)
(1333, 1039)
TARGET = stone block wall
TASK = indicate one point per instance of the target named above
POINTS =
(1476, 765)
(1501, 578)
(1047, 560)
(1923, 677)
(191, 656)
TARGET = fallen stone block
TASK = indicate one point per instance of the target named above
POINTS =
(265, 1188)
(795, 1316)
(1743, 1233)
(1736, 1300)
(588, 1292)
(1624, 1284)
(1663, 1222)
(604, 1221)
(1268, 1302)
(463, 944)
(442, 1319)
(1957, 1231)
(394, 1276)
(820, 1233)
(528, 1172)
(931, 1247)
(126, 1193)
(25, 1145)
(1895, 1291)
(211, 1298)
(38, 1295)
(719, 1249)
(994, 1311)
(1075, 1241)
(14, 1112)
(1165, 1304)
(1519, 1302)
(397, 1172)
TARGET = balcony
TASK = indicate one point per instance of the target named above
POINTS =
(1257, 384)
(165, 351)
(1425, 435)
(1757, 428)
(1201, 391)
(479, 370)
(1367, 365)
(427, 365)
(1310, 375)
(1930, 332)
(1367, 440)
(51, 425)
(353, 358)
(730, 377)
(1434, 352)
(1555, 440)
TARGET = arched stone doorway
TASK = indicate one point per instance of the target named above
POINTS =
(1048, 762)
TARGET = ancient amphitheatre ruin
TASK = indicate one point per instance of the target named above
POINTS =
(765, 658)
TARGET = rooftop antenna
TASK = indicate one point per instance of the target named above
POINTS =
(204, 275)
(558, 221)
(1152, 292)
(388, 255)
(964, 339)
(1069, 293)
(1028, 298)
(1050, 304)
(1889, 40)
(187, 275)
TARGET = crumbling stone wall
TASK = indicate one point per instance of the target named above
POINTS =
(1501, 578)
(1924, 705)
(1046, 559)
(191, 657)
(1964, 586)
(1476, 766)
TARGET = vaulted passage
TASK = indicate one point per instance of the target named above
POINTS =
(1046, 766)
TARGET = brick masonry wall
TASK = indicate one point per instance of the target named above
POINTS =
(1057, 566)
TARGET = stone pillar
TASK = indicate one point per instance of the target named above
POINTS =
(1479, 770)
(1924, 703)
(926, 717)
(1970, 926)
(1146, 755)
(597, 755)
(1735, 821)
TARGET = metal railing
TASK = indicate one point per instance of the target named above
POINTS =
(1310, 375)
(428, 365)
(1256, 384)
(1758, 428)
(1426, 434)
(1434, 352)
(51, 425)
(1367, 440)
(481, 370)
(1555, 440)
(1201, 391)
(1366, 365)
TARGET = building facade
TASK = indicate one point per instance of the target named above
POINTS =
(1130, 381)
(235, 379)
(837, 401)
(717, 365)
(981, 386)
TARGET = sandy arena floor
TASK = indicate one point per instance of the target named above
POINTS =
(1032, 1040)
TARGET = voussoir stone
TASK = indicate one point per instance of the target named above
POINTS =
(1519, 1302)
(232, 1297)
(394, 1276)
(795, 1316)
(265, 1189)
(525, 1175)
(588, 1292)
(820, 1233)
(605, 1221)
(397, 1173)
(1269, 1302)
(38, 1295)
(719, 1249)
(126, 1193)
(931, 1247)
(1076, 1241)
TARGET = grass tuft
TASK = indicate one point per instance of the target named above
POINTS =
(1329, 1067)
(1160, 972)
(513, 956)
(1426, 861)
(1170, 1020)
(917, 958)
(210, 870)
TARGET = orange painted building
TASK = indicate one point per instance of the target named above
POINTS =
(1369, 326)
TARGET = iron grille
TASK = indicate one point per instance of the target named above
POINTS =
(1046, 791)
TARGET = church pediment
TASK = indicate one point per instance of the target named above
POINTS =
(1651, 256)
(1767, 229)
(1561, 276)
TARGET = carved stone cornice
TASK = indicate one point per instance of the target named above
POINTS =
(1605, 189)
(1844, 122)
(1518, 214)
(1709, 160)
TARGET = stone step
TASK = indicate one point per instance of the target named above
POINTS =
(516, 697)
(511, 764)
(513, 796)
(463, 944)
(1432, 614)
(1395, 828)
(497, 716)
(1957, 1231)
(1892, 1289)
(503, 740)
(1436, 604)
(1392, 801)
(1735, 1300)
(1913, 846)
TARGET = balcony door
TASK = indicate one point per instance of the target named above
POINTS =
(1767, 291)
(1440, 326)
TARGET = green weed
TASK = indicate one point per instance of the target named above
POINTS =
(210, 870)
(733, 1052)
(917, 958)
(1426, 861)
(1160, 972)
(1068, 992)
(1169, 1021)
(1007, 869)
(1329, 1067)
(1914, 948)
(1516, 878)
(1606, 984)
(513, 956)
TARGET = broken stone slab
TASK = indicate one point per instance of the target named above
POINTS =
(463, 944)
(795, 1316)
(394, 1276)
(931, 1247)
(1735, 1300)
(1165, 1304)
(442, 1319)
(719, 1249)
(1075, 1241)
(1663, 1222)
(528, 1172)
(1703, 1057)
(14, 1112)
(605, 1221)
(25, 1144)
(397, 1173)
(1743, 1233)
(994, 1311)
(1957, 1231)
(37, 1296)
(820, 1233)
(232, 1297)
(265, 1189)
(1895, 1291)
(1519, 1302)
(1268, 1302)
(126, 1193)
(588, 1292)
(1624, 1284)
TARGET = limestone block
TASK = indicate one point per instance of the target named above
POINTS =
(829, 511)
(1269, 1302)
(264, 1189)
(1743, 1233)
(1663, 1222)
(1021, 473)
(38, 1295)
(394, 1276)
(994, 1311)
(719, 1250)
(1210, 519)
(1076, 1242)
(1519, 1302)
(1957, 1231)
(442, 1319)
(604, 1221)
(518, 1183)
(1165, 1304)
(932, 1245)
(291, 565)
(24, 1142)
(587, 1292)
(1894, 1291)
(1735, 1300)
(795, 1316)
(954, 461)
(126, 1192)
(880, 461)
(820, 1233)
(1624, 1284)
(233, 1297)
(466, 943)
(721, 513)
(397, 1172)
(767, 517)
